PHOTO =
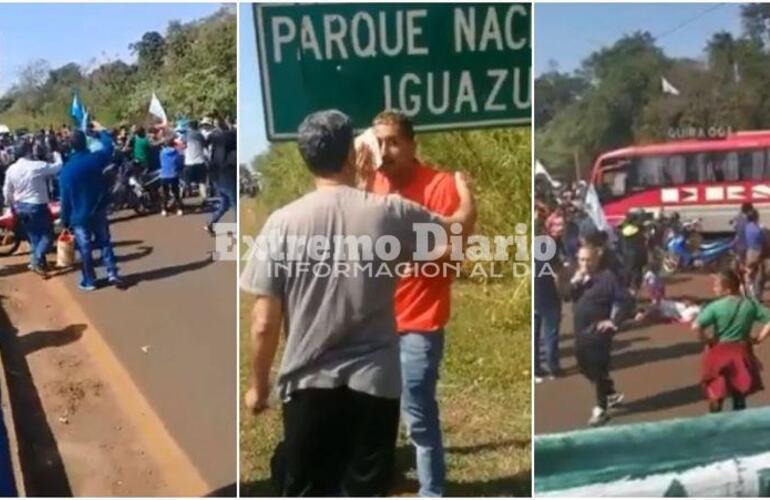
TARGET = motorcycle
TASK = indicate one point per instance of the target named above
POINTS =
(133, 188)
(12, 234)
(685, 249)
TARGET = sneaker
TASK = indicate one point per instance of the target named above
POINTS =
(598, 418)
(164, 213)
(179, 212)
(614, 399)
(115, 281)
(37, 269)
(209, 229)
(538, 380)
(87, 287)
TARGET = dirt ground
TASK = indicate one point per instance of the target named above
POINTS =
(115, 393)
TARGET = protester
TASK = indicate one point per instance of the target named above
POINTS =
(140, 148)
(224, 164)
(171, 164)
(25, 190)
(422, 303)
(84, 202)
(547, 314)
(739, 225)
(599, 305)
(755, 243)
(340, 378)
(195, 158)
(730, 368)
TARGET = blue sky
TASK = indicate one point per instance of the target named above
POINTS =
(81, 33)
(251, 119)
(567, 33)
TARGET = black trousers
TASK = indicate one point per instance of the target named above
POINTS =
(592, 351)
(337, 442)
(169, 188)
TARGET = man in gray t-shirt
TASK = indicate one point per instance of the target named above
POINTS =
(316, 268)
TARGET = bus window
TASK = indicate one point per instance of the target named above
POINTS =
(613, 182)
(649, 173)
(676, 173)
(750, 165)
(730, 171)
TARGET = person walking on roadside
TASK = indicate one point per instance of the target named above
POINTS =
(171, 164)
(224, 165)
(26, 193)
(599, 304)
(422, 303)
(84, 202)
(729, 366)
(339, 379)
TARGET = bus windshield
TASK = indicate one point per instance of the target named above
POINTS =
(620, 177)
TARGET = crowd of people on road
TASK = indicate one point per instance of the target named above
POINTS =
(361, 348)
(614, 278)
(67, 179)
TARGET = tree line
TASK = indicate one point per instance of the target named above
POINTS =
(615, 97)
(192, 69)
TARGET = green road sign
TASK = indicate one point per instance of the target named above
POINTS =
(448, 66)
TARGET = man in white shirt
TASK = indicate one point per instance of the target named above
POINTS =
(26, 193)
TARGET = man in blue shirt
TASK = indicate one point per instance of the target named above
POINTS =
(84, 201)
(755, 242)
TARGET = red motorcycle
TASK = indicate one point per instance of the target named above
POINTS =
(11, 234)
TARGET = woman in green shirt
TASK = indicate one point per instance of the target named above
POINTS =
(729, 367)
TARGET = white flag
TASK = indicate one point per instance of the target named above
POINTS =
(668, 88)
(156, 109)
(594, 209)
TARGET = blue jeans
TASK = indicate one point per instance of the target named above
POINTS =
(227, 196)
(95, 234)
(36, 223)
(546, 329)
(421, 355)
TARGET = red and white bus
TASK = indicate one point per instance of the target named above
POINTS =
(701, 178)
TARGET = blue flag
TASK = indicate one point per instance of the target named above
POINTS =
(78, 112)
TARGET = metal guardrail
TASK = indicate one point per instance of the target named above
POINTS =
(725, 454)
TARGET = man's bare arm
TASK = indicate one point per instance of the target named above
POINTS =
(266, 318)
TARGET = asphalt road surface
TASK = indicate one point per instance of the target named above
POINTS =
(174, 330)
(656, 366)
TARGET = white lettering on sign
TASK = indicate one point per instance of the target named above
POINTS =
(363, 36)
(308, 39)
(414, 107)
(413, 30)
(499, 75)
(465, 94)
(438, 91)
(335, 37)
(281, 36)
(491, 33)
(511, 41)
(355, 27)
(392, 50)
(518, 84)
(432, 106)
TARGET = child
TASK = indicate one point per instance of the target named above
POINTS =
(171, 163)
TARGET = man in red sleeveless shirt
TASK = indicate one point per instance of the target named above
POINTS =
(422, 303)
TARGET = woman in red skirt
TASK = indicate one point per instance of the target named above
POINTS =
(729, 367)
